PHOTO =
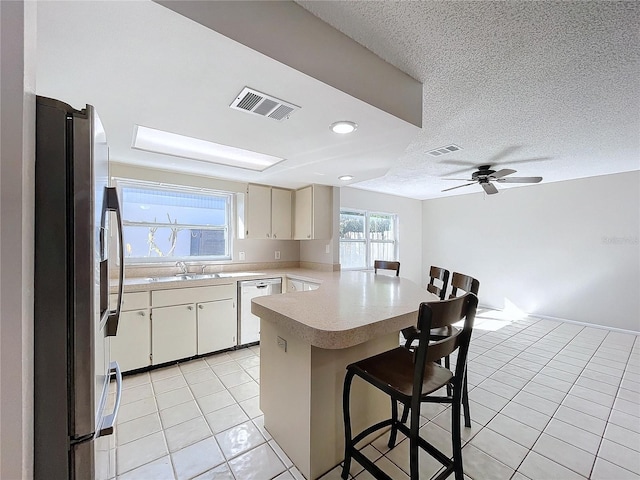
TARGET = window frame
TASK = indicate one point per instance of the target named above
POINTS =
(367, 234)
(121, 182)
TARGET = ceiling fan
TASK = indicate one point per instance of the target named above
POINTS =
(484, 176)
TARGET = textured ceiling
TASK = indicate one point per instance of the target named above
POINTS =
(549, 88)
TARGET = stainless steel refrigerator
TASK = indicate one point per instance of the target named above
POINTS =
(75, 210)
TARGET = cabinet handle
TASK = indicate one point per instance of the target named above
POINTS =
(275, 236)
(200, 307)
(309, 236)
(141, 313)
(268, 236)
(190, 307)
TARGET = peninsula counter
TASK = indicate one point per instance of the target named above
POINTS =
(306, 341)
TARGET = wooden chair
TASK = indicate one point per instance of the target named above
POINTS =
(463, 282)
(385, 265)
(412, 378)
(467, 284)
(442, 275)
(435, 273)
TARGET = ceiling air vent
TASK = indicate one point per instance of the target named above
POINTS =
(444, 150)
(252, 101)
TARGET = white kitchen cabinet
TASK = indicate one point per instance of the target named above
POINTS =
(258, 211)
(193, 320)
(173, 333)
(131, 347)
(294, 285)
(297, 285)
(268, 212)
(281, 228)
(313, 213)
(217, 325)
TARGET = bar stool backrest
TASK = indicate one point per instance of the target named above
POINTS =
(465, 283)
(386, 265)
(438, 273)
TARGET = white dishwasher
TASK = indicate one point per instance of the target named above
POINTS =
(248, 323)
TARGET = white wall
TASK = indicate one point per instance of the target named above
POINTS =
(409, 213)
(568, 249)
(17, 154)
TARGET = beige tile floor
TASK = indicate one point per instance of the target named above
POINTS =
(549, 400)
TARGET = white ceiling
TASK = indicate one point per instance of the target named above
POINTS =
(546, 88)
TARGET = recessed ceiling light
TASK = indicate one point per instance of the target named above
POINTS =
(345, 178)
(167, 143)
(343, 127)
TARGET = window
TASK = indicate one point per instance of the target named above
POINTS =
(365, 237)
(173, 223)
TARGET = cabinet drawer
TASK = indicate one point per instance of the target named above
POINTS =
(180, 296)
(130, 301)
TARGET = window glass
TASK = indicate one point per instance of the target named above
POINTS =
(365, 237)
(174, 222)
(353, 242)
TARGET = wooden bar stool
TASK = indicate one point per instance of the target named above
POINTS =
(411, 378)
(435, 273)
(385, 265)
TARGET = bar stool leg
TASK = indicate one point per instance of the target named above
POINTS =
(347, 425)
(455, 433)
(465, 401)
(447, 364)
(413, 443)
(394, 426)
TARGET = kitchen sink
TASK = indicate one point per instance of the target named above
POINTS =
(190, 276)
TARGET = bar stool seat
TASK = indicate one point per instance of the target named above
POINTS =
(389, 372)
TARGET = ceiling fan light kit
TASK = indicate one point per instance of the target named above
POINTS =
(485, 175)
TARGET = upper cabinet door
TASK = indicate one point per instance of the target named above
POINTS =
(304, 213)
(281, 214)
(258, 211)
(313, 212)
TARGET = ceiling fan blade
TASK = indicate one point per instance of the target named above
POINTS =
(489, 188)
(519, 180)
(526, 160)
(458, 162)
(460, 179)
(505, 152)
(502, 173)
(459, 186)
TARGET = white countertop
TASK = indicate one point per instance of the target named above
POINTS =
(146, 284)
(349, 308)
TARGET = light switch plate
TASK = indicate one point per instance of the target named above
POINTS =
(277, 254)
(327, 248)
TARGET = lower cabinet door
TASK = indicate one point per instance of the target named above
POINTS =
(173, 333)
(217, 325)
(131, 347)
(310, 286)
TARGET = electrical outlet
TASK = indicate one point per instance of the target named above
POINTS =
(327, 248)
(240, 255)
(277, 254)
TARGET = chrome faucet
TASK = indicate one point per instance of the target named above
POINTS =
(203, 267)
(183, 267)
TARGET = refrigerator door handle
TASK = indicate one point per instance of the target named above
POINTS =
(113, 204)
(108, 422)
